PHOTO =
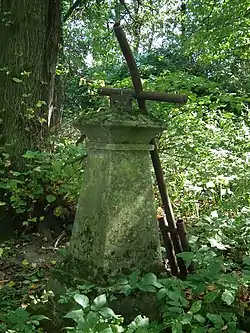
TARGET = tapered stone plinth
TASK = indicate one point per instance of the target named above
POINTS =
(115, 226)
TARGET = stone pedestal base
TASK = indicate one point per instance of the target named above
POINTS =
(115, 227)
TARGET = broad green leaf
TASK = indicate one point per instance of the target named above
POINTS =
(50, 198)
(148, 279)
(186, 319)
(134, 278)
(228, 296)
(161, 293)
(139, 322)
(177, 327)
(175, 309)
(211, 296)
(216, 320)
(200, 288)
(107, 312)
(187, 256)
(184, 302)
(146, 288)
(199, 330)
(16, 173)
(126, 289)
(199, 318)
(92, 318)
(218, 245)
(173, 295)
(174, 303)
(98, 302)
(82, 300)
(214, 269)
(196, 306)
(75, 315)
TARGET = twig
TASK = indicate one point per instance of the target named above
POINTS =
(4, 281)
(127, 10)
(75, 5)
(58, 240)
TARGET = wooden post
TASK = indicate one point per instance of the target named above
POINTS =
(168, 247)
(184, 241)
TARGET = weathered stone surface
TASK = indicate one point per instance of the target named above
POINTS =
(115, 226)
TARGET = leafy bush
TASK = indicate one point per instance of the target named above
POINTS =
(20, 320)
(210, 300)
(50, 181)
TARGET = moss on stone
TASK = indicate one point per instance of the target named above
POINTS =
(115, 227)
(115, 116)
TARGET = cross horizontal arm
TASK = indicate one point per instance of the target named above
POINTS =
(144, 95)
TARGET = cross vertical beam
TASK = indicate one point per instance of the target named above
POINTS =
(154, 154)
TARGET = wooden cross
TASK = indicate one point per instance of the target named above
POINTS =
(123, 98)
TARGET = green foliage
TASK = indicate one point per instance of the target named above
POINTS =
(20, 320)
(218, 39)
(50, 181)
(94, 316)
(200, 51)
(208, 301)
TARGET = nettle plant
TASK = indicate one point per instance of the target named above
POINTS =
(49, 180)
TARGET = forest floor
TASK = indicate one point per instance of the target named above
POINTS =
(25, 266)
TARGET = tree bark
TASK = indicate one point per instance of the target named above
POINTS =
(29, 41)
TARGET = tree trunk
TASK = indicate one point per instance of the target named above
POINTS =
(29, 40)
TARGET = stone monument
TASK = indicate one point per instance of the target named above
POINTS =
(115, 228)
